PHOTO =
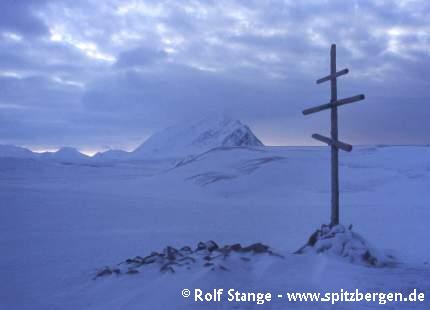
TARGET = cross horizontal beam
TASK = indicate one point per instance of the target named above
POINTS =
(329, 77)
(338, 144)
(333, 104)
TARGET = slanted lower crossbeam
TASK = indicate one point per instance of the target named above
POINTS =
(338, 144)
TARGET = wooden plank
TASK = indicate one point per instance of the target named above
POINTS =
(317, 108)
(329, 77)
(333, 104)
(349, 100)
(334, 138)
(340, 145)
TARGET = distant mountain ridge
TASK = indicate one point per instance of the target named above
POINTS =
(174, 142)
(63, 154)
(7, 150)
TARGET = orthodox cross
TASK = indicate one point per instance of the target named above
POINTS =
(333, 141)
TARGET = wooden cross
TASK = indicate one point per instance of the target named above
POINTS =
(333, 141)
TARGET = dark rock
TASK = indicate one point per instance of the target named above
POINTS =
(275, 254)
(221, 267)
(368, 257)
(171, 253)
(236, 247)
(135, 260)
(104, 272)
(167, 268)
(313, 238)
(150, 259)
(211, 246)
(201, 246)
(132, 271)
(209, 254)
(257, 248)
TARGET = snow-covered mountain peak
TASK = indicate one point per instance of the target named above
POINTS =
(194, 138)
(67, 150)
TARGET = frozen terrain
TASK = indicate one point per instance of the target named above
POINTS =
(61, 220)
(197, 137)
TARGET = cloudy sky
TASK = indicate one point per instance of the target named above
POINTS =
(106, 74)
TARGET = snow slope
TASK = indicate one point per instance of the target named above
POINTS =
(111, 155)
(191, 139)
(61, 223)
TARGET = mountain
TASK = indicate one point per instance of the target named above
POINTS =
(173, 142)
(15, 151)
(195, 138)
(65, 154)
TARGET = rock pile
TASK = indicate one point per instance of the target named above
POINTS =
(206, 254)
(341, 242)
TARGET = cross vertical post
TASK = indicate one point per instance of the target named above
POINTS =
(333, 141)
(334, 137)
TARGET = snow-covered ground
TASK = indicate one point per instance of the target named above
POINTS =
(60, 221)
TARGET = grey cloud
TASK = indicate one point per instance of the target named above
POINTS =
(256, 60)
(38, 92)
(140, 56)
(18, 16)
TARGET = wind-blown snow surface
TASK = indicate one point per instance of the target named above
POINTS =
(60, 222)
